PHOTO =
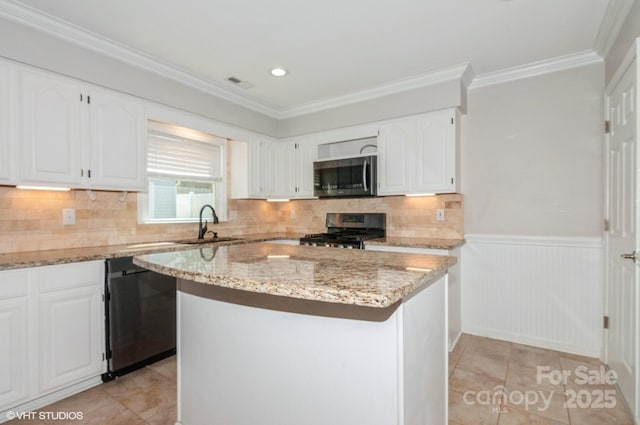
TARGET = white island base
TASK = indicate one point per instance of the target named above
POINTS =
(253, 359)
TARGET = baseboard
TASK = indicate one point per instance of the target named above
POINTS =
(535, 342)
(455, 341)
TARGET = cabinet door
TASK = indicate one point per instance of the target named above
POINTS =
(14, 331)
(281, 170)
(396, 157)
(306, 151)
(117, 149)
(435, 152)
(258, 154)
(7, 141)
(50, 114)
(71, 323)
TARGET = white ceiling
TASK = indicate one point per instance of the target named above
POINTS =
(334, 48)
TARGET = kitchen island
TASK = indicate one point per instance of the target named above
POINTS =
(282, 335)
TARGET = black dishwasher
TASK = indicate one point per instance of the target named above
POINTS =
(140, 317)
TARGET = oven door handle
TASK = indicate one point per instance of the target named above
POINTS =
(364, 175)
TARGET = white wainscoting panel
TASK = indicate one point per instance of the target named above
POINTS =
(547, 292)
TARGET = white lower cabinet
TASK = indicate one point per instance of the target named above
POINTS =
(52, 328)
(14, 333)
(453, 285)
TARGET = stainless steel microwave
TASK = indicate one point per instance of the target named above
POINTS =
(339, 178)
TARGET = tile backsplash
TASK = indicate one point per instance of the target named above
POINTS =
(32, 220)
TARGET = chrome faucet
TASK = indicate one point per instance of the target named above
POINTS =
(202, 228)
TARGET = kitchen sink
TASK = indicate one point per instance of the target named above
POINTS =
(207, 240)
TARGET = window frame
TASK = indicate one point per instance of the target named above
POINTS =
(221, 183)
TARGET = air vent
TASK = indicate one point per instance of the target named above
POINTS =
(240, 83)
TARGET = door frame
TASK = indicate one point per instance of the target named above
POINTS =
(632, 54)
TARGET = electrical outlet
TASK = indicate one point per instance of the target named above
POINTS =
(293, 214)
(68, 216)
(440, 214)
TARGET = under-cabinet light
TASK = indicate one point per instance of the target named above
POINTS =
(277, 200)
(60, 189)
(418, 269)
(271, 257)
(419, 194)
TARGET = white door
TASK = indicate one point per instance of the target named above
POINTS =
(50, 116)
(118, 130)
(622, 240)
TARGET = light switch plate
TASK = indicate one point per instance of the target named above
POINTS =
(68, 216)
(440, 214)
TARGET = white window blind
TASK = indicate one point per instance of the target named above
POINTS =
(175, 151)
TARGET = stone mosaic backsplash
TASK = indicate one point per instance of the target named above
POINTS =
(32, 220)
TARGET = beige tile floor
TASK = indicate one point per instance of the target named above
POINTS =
(478, 367)
(144, 397)
(490, 382)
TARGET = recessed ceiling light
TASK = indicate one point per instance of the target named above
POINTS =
(279, 72)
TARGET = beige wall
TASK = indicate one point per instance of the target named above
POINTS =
(32, 220)
(26, 45)
(532, 156)
(629, 32)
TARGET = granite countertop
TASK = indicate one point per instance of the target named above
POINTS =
(20, 260)
(411, 242)
(356, 277)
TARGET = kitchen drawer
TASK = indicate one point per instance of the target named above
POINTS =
(67, 276)
(14, 283)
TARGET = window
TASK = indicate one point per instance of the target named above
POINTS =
(186, 170)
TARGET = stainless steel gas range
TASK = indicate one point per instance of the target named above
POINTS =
(348, 230)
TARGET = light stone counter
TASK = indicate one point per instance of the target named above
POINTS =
(413, 242)
(18, 260)
(355, 277)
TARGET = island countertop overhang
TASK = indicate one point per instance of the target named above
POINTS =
(354, 277)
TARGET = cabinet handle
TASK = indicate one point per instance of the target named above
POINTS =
(89, 99)
(81, 172)
(89, 173)
(80, 97)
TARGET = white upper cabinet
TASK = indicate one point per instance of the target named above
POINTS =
(50, 127)
(79, 136)
(281, 161)
(396, 160)
(291, 168)
(436, 149)
(258, 148)
(418, 154)
(8, 145)
(306, 151)
(249, 177)
(117, 142)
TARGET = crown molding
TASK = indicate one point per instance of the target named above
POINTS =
(86, 39)
(534, 69)
(614, 17)
(28, 16)
(399, 86)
